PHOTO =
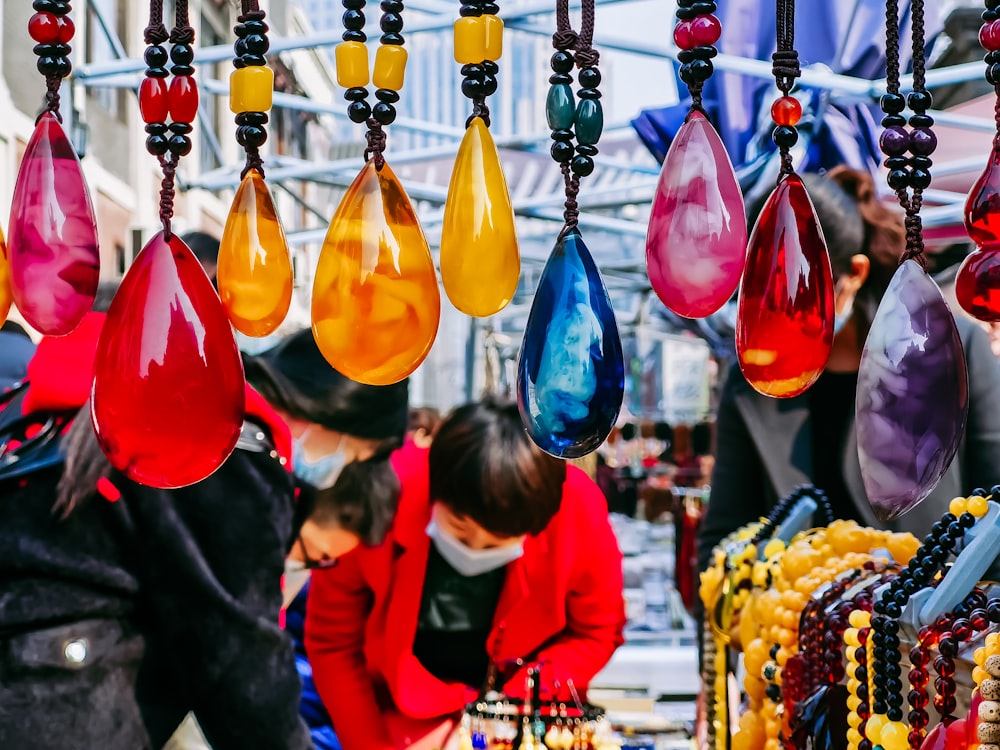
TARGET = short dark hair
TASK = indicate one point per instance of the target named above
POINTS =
(425, 418)
(483, 466)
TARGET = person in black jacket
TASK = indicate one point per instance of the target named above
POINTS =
(122, 607)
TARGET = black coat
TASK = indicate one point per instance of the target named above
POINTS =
(119, 620)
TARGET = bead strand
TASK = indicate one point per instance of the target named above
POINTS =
(478, 37)
(52, 30)
(697, 31)
(251, 84)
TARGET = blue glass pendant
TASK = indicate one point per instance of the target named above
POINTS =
(571, 373)
(913, 394)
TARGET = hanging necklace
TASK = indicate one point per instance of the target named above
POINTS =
(570, 375)
(913, 389)
(255, 270)
(480, 263)
(168, 395)
(784, 325)
(696, 244)
(979, 275)
(54, 264)
(375, 301)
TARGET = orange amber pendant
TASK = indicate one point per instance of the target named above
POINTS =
(480, 264)
(375, 302)
(6, 293)
(255, 271)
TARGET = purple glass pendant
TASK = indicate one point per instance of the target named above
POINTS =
(54, 255)
(913, 394)
(696, 244)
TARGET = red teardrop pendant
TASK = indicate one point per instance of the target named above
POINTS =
(168, 395)
(784, 328)
(977, 285)
(54, 256)
(982, 207)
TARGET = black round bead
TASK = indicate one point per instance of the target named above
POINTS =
(895, 713)
(55, 67)
(181, 54)
(589, 77)
(685, 14)
(921, 121)
(586, 150)
(157, 72)
(240, 48)
(561, 61)
(252, 118)
(939, 554)
(991, 58)
(491, 67)
(472, 88)
(562, 135)
(939, 527)
(391, 6)
(896, 162)
(59, 7)
(354, 20)
(892, 609)
(966, 519)
(784, 136)
(353, 4)
(392, 38)
(155, 56)
(354, 36)
(685, 56)
(557, 78)
(470, 11)
(240, 30)
(892, 103)
(359, 111)
(45, 50)
(384, 113)
(157, 145)
(156, 128)
(704, 52)
(489, 85)
(955, 530)
(919, 101)
(879, 609)
(186, 70)
(893, 121)
(491, 9)
(589, 94)
(252, 136)
(993, 611)
(898, 179)
(880, 707)
(582, 165)
(561, 151)
(920, 179)
(260, 27)
(947, 646)
(890, 628)
(773, 693)
(391, 22)
(995, 490)
(990, 15)
(356, 94)
(180, 145)
(472, 70)
(387, 95)
(257, 44)
(701, 70)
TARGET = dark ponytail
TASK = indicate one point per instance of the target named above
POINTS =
(85, 464)
(364, 498)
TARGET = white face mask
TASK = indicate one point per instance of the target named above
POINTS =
(471, 562)
(321, 473)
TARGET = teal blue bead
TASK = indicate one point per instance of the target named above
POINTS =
(560, 107)
(589, 122)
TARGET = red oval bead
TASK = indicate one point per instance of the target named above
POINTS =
(786, 111)
(44, 28)
(982, 207)
(183, 99)
(705, 30)
(66, 29)
(989, 36)
(153, 100)
(683, 36)
(977, 285)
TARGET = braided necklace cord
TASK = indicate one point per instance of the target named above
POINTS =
(785, 69)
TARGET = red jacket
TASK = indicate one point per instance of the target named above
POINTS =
(562, 603)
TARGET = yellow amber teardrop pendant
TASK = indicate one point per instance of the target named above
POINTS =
(480, 264)
(6, 293)
(255, 270)
(375, 303)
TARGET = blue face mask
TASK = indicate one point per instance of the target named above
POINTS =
(321, 473)
(840, 319)
(471, 562)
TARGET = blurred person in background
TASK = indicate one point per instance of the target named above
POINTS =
(499, 552)
(422, 424)
(16, 350)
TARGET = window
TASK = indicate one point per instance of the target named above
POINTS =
(120, 260)
(104, 18)
(209, 104)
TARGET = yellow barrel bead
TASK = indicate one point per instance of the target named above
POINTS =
(494, 37)
(352, 64)
(251, 89)
(390, 67)
(470, 40)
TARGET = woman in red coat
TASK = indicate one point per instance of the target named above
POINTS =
(498, 552)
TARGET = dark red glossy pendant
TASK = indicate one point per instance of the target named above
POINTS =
(982, 207)
(54, 256)
(784, 328)
(977, 284)
(168, 395)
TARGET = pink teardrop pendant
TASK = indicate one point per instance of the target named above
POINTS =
(982, 207)
(54, 255)
(784, 324)
(168, 396)
(977, 285)
(696, 244)
(913, 394)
